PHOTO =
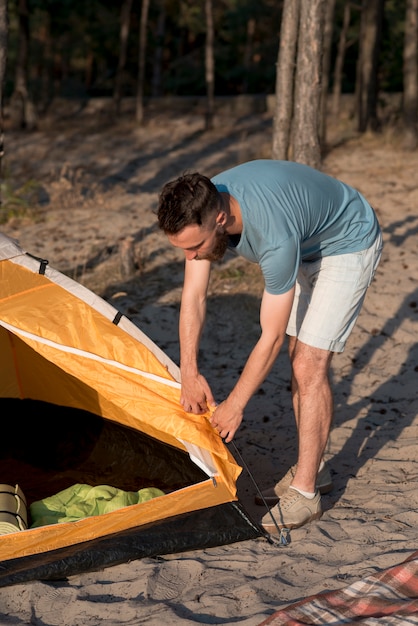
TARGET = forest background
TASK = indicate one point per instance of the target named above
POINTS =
(305, 52)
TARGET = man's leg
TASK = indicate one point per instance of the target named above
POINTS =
(313, 408)
(317, 329)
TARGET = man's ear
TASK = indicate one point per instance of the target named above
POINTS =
(221, 218)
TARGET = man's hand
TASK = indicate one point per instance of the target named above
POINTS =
(226, 419)
(196, 395)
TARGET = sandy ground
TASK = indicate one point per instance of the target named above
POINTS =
(99, 185)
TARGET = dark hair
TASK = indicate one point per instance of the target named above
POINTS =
(187, 200)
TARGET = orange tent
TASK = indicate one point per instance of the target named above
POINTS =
(86, 397)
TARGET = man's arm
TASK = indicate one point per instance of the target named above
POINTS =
(195, 391)
(274, 316)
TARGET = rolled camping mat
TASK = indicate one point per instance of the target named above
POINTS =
(13, 509)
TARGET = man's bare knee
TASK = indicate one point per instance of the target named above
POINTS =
(310, 365)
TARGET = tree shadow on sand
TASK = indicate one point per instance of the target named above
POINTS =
(391, 408)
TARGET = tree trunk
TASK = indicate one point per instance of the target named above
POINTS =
(326, 66)
(366, 79)
(158, 52)
(46, 94)
(306, 124)
(248, 52)
(22, 110)
(141, 61)
(410, 76)
(3, 61)
(125, 16)
(285, 73)
(339, 62)
(209, 66)
(89, 69)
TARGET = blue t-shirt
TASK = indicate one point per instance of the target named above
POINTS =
(293, 213)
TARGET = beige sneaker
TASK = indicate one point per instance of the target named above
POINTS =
(292, 511)
(272, 494)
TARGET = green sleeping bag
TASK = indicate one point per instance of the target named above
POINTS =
(80, 501)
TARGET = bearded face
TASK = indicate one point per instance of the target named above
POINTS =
(207, 242)
(220, 245)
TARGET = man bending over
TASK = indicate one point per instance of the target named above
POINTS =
(318, 243)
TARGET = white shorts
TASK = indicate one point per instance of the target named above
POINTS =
(329, 295)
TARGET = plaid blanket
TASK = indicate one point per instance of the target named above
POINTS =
(385, 598)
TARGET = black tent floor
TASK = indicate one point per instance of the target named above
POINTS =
(206, 528)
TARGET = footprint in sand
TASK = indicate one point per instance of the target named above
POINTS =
(50, 607)
(172, 578)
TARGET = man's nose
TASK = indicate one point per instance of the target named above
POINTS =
(190, 254)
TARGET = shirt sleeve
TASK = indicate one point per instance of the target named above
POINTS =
(280, 266)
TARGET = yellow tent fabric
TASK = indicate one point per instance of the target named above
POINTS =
(63, 345)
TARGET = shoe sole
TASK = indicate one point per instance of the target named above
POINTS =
(270, 501)
(271, 528)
